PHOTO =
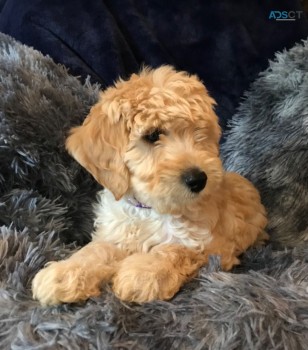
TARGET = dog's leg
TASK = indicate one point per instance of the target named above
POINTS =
(228, 250)
(78, 277)
(158, 274)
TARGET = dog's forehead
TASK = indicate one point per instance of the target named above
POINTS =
(163, 107)
(175, 124)
(166, 118)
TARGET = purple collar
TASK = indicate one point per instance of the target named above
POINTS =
(133, 201)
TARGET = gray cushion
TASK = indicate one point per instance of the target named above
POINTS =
(268, 144)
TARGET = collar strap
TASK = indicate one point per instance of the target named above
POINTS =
(133, 201)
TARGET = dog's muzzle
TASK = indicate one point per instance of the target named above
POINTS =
(195, 179)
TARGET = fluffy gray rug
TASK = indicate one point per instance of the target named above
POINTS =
(45, 205)
(268, 144)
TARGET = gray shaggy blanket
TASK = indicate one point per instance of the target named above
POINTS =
(268, 144)
(45, 206)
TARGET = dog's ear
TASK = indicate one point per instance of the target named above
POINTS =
(99, 145)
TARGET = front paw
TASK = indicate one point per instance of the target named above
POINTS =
(143, 277)
(63, 282)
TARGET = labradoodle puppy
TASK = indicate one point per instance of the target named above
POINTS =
(153, 143)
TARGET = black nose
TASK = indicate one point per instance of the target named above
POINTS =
(194, 179)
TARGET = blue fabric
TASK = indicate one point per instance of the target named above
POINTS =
(227, 43)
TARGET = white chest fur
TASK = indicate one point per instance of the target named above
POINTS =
(138, 230)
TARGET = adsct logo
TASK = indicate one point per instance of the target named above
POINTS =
(285, 15)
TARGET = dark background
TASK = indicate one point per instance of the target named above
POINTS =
(227, 42)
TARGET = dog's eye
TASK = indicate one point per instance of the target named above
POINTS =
(153, 136)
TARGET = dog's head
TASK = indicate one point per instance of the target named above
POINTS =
(154, 136)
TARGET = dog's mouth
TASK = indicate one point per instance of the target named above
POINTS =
(169, 195)
(173, 205)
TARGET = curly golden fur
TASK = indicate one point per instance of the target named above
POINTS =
(153, 143)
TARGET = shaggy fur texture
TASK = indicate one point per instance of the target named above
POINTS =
(39, 103)
(46, 199)
(268, 144)
(154, 138)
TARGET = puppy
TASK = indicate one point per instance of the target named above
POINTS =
(153, 143)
